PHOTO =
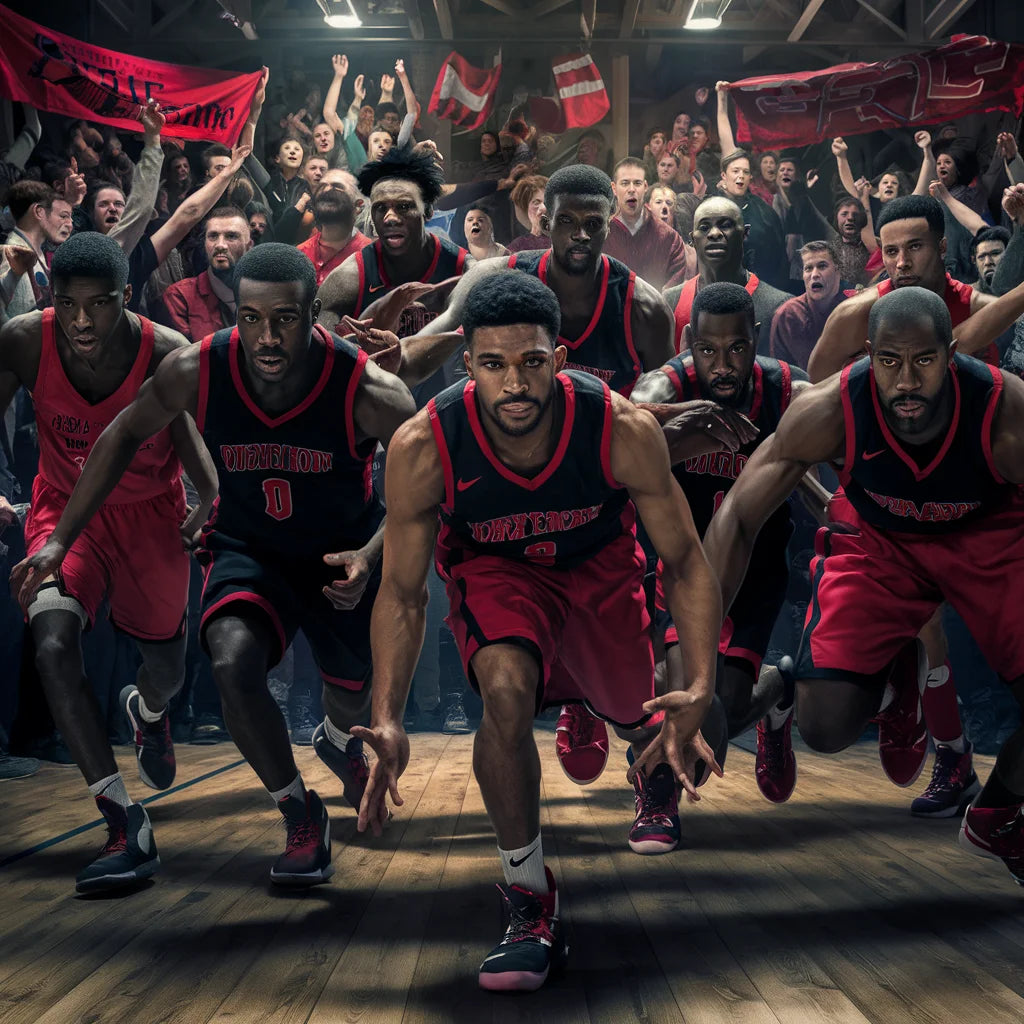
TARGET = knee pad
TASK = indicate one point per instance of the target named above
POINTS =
(51, 598)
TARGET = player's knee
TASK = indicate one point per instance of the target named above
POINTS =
(824, 733)
(164, 664)
(58, 655)
(510, 704)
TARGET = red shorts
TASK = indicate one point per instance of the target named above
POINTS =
(872, 591)
(587, 626)
(130, 553)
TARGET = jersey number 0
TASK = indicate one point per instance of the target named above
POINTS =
(279, 498)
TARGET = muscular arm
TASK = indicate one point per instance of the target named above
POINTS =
(639, 461)
(339, 294)
(652, 325)
(1008, 431)
(811, 431)
(843, 338)
(19, 349)
(993, 317)
(382, 405)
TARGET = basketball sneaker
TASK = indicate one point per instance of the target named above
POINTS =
(350, 764)
(307, 856)
(581, 742)
(996, 832)
(534, 944)
(775, 764)
(154, 748)
(954, 784)
(656, 826)
(128, 855)
(902, 733)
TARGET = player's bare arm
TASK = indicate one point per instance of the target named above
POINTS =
(993, 317)
(811, 431)
(415, 485)
(640, 462)
(20, 340)
(339, 294)
(652, 325)
(172, 390)
(844, 338)
(1008, 431)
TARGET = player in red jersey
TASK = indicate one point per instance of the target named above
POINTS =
(534, 473)
(931, 448)
(84, 360)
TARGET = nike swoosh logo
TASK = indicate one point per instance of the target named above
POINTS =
(464, 485)
(376, 287)
(874, 455)
(513, 863)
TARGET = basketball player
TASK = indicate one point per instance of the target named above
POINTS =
(722, 364)
(532, 471)
(931, 446)
(84, 360)
(291, 415)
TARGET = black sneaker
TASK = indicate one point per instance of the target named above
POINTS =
(533, 946)
(455, 720)
(307, 857)
(128, 855)
(208, 729)
(302, 720)
(953, 786)
(154, 747)
(12, 767)
(350, 764)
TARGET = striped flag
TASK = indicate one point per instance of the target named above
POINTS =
(464, 94)
(581, 96)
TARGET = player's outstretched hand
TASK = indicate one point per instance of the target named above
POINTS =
(383, 347)
(391, 745)
(347, 593)
(28, 574)
(679, 744)
(699, 427)
(386, 312)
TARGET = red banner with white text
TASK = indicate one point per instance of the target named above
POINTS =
(969, 75)
(62, 75)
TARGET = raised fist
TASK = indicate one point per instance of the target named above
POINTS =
(839, 147)
(922, 139)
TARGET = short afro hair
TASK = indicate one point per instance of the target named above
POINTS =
(904, 307)
(578, 180)
(90, 254)
(511, 297)
(721, 299)
(910, 207)
(989, 234)
(274, 261)
(420, 168)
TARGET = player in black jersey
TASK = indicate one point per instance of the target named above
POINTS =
(721, 365)
(931, 445)
(529, 469)
(291, 415)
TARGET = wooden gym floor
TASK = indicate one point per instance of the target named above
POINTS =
(837, 907)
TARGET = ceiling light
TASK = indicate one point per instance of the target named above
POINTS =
(340, 13)
(705, 14)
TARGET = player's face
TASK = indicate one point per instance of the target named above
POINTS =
(227, 240)
(578, 226)
(398, 214)
(986, 259)
(275, 320)
(723, 349)
(911, 369)
(514, 368)
(888, 187)
(88, 310)
(913, 255)
(323, 138)
(718, 234)
(736, 178)
(821, 277)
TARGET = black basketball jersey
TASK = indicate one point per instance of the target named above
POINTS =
(560, 517)
(449, 260)
(887, 485)
(706, 479)
(605, 349)
(296, 483)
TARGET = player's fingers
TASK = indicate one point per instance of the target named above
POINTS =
(641, 762)
(396, 798)
(689, 788)
(723, 434)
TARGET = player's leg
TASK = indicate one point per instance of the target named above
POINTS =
(953, 783)
(243, 643)
(507, 769)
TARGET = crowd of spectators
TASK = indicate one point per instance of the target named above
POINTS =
(185, 215)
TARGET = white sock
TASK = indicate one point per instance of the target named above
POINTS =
(777, 716)
(888, 697)
(294, 788)
(112, 788)
(147, 715)
(957, 744)
(525, 867)
(337, 736)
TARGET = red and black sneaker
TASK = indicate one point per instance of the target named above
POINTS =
(953, 786)
(902, 733)
(154, 748)
(775, 764)
(581, 743)
(350, 764)
(996, 832)
(533, 945)
(128, 855)
(307, 857)
(656, 826)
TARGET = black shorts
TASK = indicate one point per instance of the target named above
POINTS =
(288, 591)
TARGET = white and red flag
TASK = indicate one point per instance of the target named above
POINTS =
(581, 96)
(464, 94)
